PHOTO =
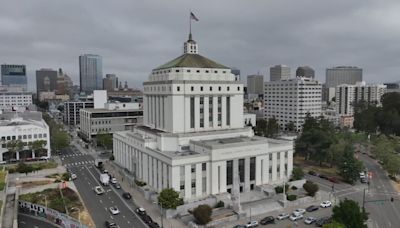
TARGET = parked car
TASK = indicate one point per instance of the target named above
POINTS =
(267, 220)
(252, 224)
(117, 186)
(147, 219)
(113, 180)
(309, 220)
(126, 195)
(154, 225)
(111, 224)
(322, 221)
(312, 208)
(73, 176)
(295, 217)
(239, 226)
(283, 216)
(322, 176)
(99, 190)
(333, 179)
(140, 211)
(363, 180)
(114, 210)
(326, 204)
(299, 211)
(312, 173)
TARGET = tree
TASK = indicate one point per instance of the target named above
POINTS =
(334, 225)
(349, 167)
(290, 126)
(37, 145)
(311, 188)
(261, 127)
(349, 213)
(105, 140)
(169, 198)
(24, 168)
(60, 140)
(392, 165)
(297, 173)
(202, 213)
(14, 146)
(272, 128)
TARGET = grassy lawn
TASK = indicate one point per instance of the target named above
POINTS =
(310, 165)
(35, 166)
(2, 180)
(69, 199)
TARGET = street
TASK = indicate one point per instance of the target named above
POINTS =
(98, 205)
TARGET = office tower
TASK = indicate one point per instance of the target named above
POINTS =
(46, 81)
(110, 82)
(279, 72)
(305, 71)
(194, 134)
(291, 100)
(348, 95)
(90, 72)
(64, 83)
(255, 84)
(340, 75)
(14, 75)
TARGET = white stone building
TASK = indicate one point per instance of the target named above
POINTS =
(193, 139)
(14, 98)
(347, 95)
(290, 100)
(26, 127)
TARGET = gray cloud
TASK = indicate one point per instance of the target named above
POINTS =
(135, 36)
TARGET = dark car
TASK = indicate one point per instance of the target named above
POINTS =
(147, 219)
(154, 225)
(239, 226)
(312, 208)
(267, 220)
(322, 176)
(322, 221)
(126, 195)
(111, 224)
(312, 173)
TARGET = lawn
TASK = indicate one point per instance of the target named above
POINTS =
(35, 166)
(310, 165)
(2, 180)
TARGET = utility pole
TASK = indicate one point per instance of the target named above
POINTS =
(363, 205)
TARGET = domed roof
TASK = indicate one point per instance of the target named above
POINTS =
(192, 61)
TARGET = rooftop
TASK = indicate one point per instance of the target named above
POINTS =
(103, 110)
(193, 61)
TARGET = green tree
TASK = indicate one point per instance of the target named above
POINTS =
(37, 145)
(60, 140)
(14, 146)
(202, 213)
(349, 167)
(105, 140)
(392, 165)
(334, 224)
(169, 198)
(297, 173)
(290, 126)
(311, 188)
(24, 168)
(261, 127)
(349, 213)
(272, 128)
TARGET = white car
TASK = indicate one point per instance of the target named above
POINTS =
(310, 220)
(73, 176)
(299, 211)
(114, 210)
(282, 216)
(326, 204)
(99, 190)
(295, 217)
(114, 180)
(252, 224)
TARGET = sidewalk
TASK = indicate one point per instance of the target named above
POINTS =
(139, 200)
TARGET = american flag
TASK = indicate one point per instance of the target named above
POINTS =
(192, 16)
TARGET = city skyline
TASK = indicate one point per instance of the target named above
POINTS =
(263, 34)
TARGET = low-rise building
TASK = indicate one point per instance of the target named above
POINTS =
(26, 127)
(12, 98)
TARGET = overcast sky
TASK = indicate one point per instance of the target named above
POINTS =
(134, 37)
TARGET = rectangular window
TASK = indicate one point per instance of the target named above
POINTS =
(252, 168)
(228, 111)
(201, 111)
(229, 172)
(192, 112)
(203, 166)
(210, 111)
(178, 88)
(241, 170)
(219, 111)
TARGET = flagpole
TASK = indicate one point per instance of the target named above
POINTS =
(190, 23)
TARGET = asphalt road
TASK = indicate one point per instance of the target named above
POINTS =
(98, 205)
(25, 221)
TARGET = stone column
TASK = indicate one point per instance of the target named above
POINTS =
(235, 178)
(199, 180)
(188, 182)
(274, 167)
(174, 176)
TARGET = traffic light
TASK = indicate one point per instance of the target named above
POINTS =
(391, 199)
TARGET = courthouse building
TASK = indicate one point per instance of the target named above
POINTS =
(193, 139)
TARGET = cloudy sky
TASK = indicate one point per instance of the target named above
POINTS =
(135, 36)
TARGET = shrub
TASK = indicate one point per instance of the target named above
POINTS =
(169, 198)
(220, 204)
(140, 183)
(66, 176)
(291, 197)
(297, 173)
(202, 213)
(311, 188)
(279, 189)
(294, 187)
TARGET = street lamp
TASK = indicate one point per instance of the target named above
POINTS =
(162, 210)
(79, 215)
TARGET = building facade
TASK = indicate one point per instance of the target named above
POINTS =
(46, 81)
(347, 95)
(110, 82)
(279, 72)
(193, 139)
(90, 72)
(255, 84)
(14, 75)
(14, 98)
(305, 71)
(26, 127)
(71, 113)
(291, 100)
(340, 75)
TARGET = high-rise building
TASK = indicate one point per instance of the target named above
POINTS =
(348, 95)
(90, 72)
(279, 72)
(193, 139)
(291, 100)
(14, 75)
(110, 82)
(340, 75)
(64, 84)
(46, 81)
(255, 84)
(305, 71)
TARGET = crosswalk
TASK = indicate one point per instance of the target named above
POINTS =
(79, 163)
(72, 155)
